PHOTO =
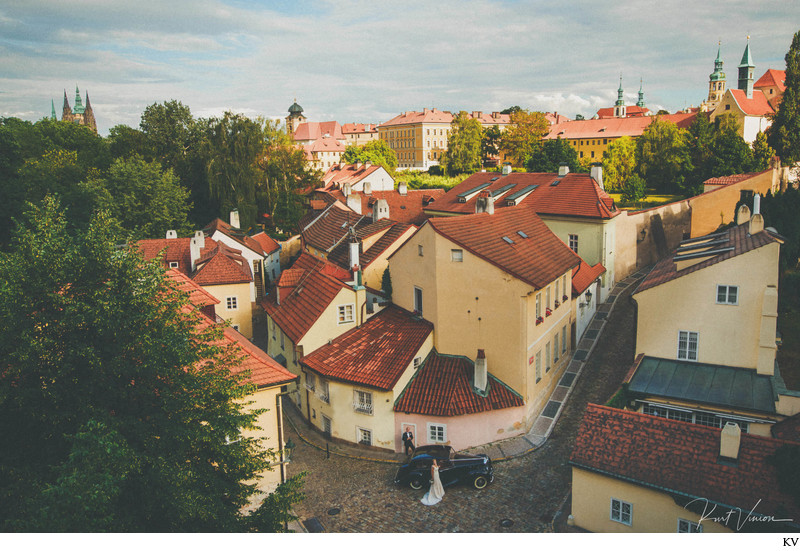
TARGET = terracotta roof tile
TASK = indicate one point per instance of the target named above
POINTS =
(198, 296)
(311, 293)
(222, 265)
(630, 111)
(584, 275)
(757, 106)
(737, 237)
(358, 128)
(175, 250)
(375, 354)
(538, 258)
(236, 234)
(337, 176)
(612, 127)
(268, 244)
(732, 179)
(574, 194)
(442, 386)
(327, 229)
(772, 77)
(316, 130)
(683, 459)
(406, 208)
(394, 231)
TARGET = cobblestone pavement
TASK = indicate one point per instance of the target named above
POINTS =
(354, 495)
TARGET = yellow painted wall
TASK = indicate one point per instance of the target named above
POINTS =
(242, 316)
(728, 334)
(373, 274)
(652, 511)
(268, 431)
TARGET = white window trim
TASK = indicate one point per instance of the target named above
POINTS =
(697, 346)
(727, 301)
(358, 435)
(621, 519)
(360, 406)
(457, 255)
(173, 265)
(341, 313)
(437, 425)
(231, 300)
(414, 298)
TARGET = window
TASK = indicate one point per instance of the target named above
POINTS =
(173, 264)
(282, 343)
(687, 345)
(310, 382)
(418, 300)
(689, 527)
(573, 243)
(547, 357)
(697, 417)
(420, 250)
(621, 511)
(364, 436)
(362, 402)
(346, 313)
(457, 255)
(727, 294)
(538, 306)
(231, 303)
(555, 349)
(437, 434)
(564, 340)
(274, 327)
(417, 361)
(727, 107)
(547, 298)
(324, 395)
(326, 425)
(538, 366)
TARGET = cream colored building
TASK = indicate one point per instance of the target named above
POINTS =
(634, 473)
(500, 283)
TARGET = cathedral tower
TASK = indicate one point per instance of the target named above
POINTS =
(716, 82)
(295, 118)
(746, 68)
(619, 107)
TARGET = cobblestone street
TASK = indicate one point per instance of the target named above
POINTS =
(354, 495)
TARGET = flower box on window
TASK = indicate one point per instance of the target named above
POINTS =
(539, 320)
(565, 298)
(548, 311)
(557, 304)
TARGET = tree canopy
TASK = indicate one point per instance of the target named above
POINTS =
(523, 134)
(619, 162)
(784, 133)
(463, 155)
(118, 408)
(549, 155)
(663, 154)
(376, 152)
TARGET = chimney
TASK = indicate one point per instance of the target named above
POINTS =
(354, 249)
(342, 164)
(200, 238)
(506, 169)
(742, 215)
(347, 189)
(354, 202)
(756, 224)
(563, 169)
(367, 164)
(172, 234)
(729, 440)
(358, 165)
(235, 218)
(194, 252)
(402, 188)
(485, 202)
(367, 188)
(756, 204)
(495, 114)
(597, 174)
(380, 210)
(481, 371)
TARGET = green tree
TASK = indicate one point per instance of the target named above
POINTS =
(780, 212)
(490, 144)
(663, 155)
(762, 153)
(730, 154)
(118, 408)
(522, 135)
(549, 155)
(784, 133)
(619, 163)
(376, 152)
(124, 141)
(143, 198)
(634, 189)
(701, 136)
(463, 155)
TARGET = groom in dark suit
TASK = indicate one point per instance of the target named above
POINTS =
(408, 440)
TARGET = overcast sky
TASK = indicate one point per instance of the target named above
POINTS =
(367, 61)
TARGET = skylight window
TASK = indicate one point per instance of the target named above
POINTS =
(508, 240)
(522, 234)
(555, 183)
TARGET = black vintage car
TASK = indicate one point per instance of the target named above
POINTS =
(453, 468)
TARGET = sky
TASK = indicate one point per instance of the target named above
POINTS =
(368, 61)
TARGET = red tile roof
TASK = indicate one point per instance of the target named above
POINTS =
(222, 265)
(323, 144)
(338, 176)
(738, 238)
(327, 229)
(683, 459)
(772, 77)
(358, 128)
(198, 296)
(175, 250)
(537, 259)
(311, 293)
(236, 234)
(406, 208)
(574, 195)
(584, 275)
(268, 244)
(393, 231)
(435, 115)
(757, 106)
(732, 179)
(316, 130)
(612, 127)
(375, 354)
(788, 429)
(442, 386)
(630, 111)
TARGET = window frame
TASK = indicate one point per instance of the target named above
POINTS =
(573, 242)
(691, 528)
(621, 512)
(341, 313)
(417, 292)
(456, 255)
(727, 290)
(538, 365)
(687, 350)
(436, 426)
(231, 303)
(366, 407)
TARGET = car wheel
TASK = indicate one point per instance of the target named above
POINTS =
(415, 483)
(480, 482)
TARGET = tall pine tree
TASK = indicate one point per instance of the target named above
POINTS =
(784, 134)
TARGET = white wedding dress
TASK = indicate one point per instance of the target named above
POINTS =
(436, 493)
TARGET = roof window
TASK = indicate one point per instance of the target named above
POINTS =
(522, 234)
(508, 240)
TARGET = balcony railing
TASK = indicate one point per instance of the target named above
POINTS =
(361, 407)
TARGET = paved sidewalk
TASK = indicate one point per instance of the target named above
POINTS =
(505, 449)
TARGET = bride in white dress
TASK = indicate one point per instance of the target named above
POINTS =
(436, 493)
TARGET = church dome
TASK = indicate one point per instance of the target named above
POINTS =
(295, 109)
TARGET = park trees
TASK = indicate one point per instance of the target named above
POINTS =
(619, 163)
(663, 154)
(523, 134)
(784, 133)
(463, 153)
(549, 155)
(118, 408)
(376, 152)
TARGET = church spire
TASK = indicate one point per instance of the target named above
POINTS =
(78, 103)
(53, 110)
(66, 111)
(619, 107)
(746, 68)
(640, 103)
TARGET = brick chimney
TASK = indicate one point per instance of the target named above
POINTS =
(729, 440)
(380, 210)
(481, 375)
(742, 215)
(234, 219)
(484, 202)
(402, 188)
(506, 169)
(563, 169)
(354, 202)
(597, 174)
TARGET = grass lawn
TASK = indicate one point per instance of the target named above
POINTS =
(652, 200)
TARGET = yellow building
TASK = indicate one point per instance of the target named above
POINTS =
(498, 282)
(419, 138)
(634, 473)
